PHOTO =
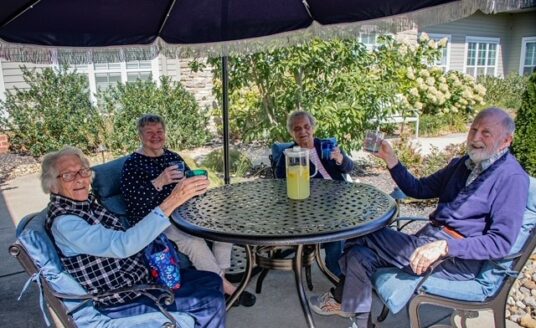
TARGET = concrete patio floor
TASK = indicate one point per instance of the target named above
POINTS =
(277, 305)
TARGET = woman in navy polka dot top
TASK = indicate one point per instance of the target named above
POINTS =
(148, 178)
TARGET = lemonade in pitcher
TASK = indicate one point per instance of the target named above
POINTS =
(297, 163)
(298, 182)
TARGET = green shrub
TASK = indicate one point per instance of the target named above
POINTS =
(503, 92)
(55, 110)
(439, 159)
(424, 165)
(125, 103)
(434, 125)
(240, 163)
(524, 146)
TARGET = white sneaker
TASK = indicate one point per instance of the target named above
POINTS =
(325, 304)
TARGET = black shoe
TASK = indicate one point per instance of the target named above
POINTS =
(246, 299)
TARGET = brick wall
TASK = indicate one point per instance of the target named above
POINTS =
(4, 144)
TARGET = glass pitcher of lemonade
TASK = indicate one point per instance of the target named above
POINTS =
(297, 164)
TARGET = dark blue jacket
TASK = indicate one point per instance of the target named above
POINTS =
(335, 171)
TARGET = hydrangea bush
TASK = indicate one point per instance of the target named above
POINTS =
(430, 90)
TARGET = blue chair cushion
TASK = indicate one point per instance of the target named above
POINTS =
(395, 287)
(106, 185)
(32, 235)
(278, 148)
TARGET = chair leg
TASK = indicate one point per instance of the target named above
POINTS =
(383, 314)
(413, 310)
(260, 280)
(308, 278)
(500, 318)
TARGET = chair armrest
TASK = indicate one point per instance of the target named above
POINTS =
(409, 219)
(418, 288)
(166, 297)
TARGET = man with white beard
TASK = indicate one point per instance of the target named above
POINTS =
(482, 197)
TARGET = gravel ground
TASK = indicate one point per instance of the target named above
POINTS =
(12, 166)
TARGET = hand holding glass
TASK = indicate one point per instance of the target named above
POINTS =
(373, 141)
(180, 167)
(327, 148)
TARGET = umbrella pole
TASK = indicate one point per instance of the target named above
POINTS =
(225, 86)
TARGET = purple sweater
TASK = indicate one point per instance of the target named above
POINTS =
(488, 212)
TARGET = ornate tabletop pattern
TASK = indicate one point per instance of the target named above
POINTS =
(260, 212)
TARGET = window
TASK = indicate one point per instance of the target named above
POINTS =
(481, 56)
(108, 74)
(528, 55)
(444, 60)
(370, 40)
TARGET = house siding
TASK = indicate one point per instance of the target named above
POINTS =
(12, 74)
(522, 25)
(507, 27)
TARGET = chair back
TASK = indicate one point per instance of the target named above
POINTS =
(278, 149)
(106, 187)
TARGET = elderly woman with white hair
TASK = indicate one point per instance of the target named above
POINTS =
(302, 125)
(102, 256)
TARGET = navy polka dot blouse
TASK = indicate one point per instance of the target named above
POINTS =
(139, 193)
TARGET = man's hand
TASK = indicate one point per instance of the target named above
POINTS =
(424, 256)
(387, 154)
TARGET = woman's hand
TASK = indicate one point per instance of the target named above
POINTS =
(170, 175)
(336, 154)
(387, 154)
(184, 191)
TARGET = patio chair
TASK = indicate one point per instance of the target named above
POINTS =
(489, 290)
(66, 298)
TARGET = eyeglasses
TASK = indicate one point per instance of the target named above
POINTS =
(70, 176)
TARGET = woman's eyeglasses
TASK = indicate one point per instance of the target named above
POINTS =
(70, 176)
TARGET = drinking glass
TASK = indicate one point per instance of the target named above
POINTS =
(373, 141)
(327, 147)
(181, 167)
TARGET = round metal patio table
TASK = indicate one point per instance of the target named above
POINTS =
(259, 213)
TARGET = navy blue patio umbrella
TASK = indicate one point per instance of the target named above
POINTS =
(93, 31)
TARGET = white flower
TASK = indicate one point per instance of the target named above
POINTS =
(403, 49)
(430, 81)
(410, 74)
(443, 42)
(424, 37)
(414, 92)
(442, 79)
(443, 87)
(418, 105)
(480, 89)
(424, 73)
(432, 44)
(454, 110)
(419, 81)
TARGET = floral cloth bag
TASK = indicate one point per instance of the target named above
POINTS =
(163, 262)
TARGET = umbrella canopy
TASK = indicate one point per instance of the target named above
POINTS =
(104, 30)
(82, 31)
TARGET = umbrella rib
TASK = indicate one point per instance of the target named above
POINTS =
(166, 17)
(307, 8)
(16, 15)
